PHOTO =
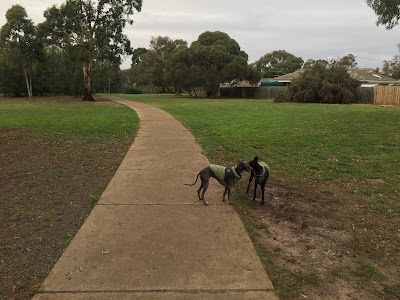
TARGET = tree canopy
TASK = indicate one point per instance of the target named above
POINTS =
(278, 63)
(219, 58)
(388, 12)
(20, 44)
(95, 28)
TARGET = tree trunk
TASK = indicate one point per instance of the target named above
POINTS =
(87, 77)
(28, 81)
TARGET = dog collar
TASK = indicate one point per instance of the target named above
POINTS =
(237, 176)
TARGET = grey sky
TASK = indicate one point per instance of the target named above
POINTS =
(317, 29)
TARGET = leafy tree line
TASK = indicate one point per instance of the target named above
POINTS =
(59, 55)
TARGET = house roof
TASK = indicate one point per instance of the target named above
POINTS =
(370, 76)
(362, 75)
(290, 77)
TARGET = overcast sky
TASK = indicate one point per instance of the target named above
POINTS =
(317, 29)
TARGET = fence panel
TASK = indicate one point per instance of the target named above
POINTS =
(364, 95)
(387, 95)
(267, 92)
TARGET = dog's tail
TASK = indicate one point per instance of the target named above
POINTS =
(194, 182)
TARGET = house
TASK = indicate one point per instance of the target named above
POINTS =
(371, 77)
(366, 77)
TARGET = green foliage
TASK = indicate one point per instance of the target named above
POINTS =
(217, 58)
(150, 69)
(388, 12)
(323, 83)
(21, 47)
(136, 55)
(182, 73)
(278, 63)
(95, 29)
(391, 68)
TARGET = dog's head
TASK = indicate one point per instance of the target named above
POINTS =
(243, 166)
(253, 163)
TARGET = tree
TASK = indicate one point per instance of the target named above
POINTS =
(219, 59)
(151, 68)
(253, 74)
(18, 36)
(137, 54)
(348, 60)
(324, 83)
(93, 27)
(388, 12)
(278, 63)
(391, 68)
(182, 73)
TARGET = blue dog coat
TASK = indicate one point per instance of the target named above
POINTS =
(223, 173)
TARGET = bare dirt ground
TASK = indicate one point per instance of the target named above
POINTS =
(47, 189)
(326, 246)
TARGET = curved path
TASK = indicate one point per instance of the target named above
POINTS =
(150, 238)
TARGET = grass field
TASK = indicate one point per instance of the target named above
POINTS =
(56, 157)
(335, 175)
(330, 228)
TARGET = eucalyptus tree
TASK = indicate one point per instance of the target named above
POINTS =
(388, 12)
(219, 59)
(20, 44)
(95, 28)
(278, 63)
(150, 69)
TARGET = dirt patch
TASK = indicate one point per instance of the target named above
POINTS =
(326, 245)
(48, 187)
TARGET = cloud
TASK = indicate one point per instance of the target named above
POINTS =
(308, 28)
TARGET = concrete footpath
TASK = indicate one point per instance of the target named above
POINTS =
(150, 238)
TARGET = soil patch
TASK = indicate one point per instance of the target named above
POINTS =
(48, 187)
(326, 245)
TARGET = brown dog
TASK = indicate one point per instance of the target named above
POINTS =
(226, 176)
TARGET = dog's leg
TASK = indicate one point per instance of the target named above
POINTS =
(255, 190)
(226, 190)
(263, 192)
(199, 190)
(250, 179)
(229, 193)
(205, 187)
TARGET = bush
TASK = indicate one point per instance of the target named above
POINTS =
(324, 83)
(283, 96)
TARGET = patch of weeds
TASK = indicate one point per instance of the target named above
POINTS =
(328, 192)
(380, 205)
(21, 262)
(365, 273)
(50, 215)
(393, 290)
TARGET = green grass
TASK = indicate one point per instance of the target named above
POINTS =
(301, 142)
(73, 119)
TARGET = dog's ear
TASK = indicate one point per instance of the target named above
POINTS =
(255, 159)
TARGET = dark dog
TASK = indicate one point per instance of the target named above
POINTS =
(260, 171)
(225, 175)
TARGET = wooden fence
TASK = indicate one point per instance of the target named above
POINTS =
(263, 92)
(387, 95)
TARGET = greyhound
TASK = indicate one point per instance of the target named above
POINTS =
(260, 170)
(225, 175)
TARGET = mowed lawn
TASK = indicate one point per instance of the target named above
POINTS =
(335, 174)
(57, 155)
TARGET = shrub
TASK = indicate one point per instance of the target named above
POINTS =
(324, 83)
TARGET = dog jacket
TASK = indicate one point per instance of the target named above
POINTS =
(265, 173)
(222, 173)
